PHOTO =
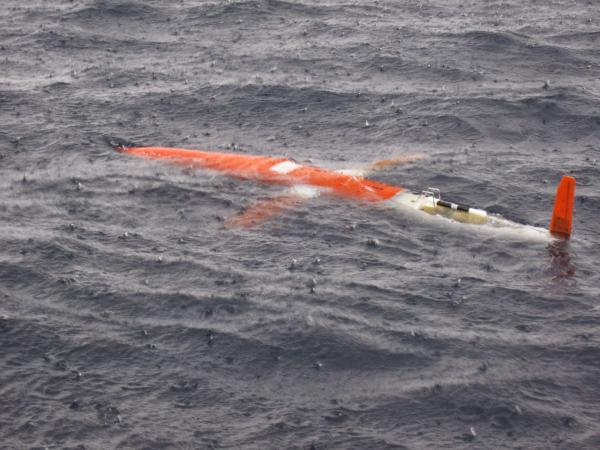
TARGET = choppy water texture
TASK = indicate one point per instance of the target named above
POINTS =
(132, 318)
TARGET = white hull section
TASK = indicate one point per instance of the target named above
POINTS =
(475, 220)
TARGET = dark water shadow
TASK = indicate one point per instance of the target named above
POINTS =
(561, 267)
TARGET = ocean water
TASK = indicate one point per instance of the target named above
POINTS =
(131, 317)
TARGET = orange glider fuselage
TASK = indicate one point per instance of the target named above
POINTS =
(272, 170)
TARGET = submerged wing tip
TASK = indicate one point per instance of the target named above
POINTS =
(396, 161)
(264, 210)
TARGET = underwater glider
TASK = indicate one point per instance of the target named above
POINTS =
(308, 181)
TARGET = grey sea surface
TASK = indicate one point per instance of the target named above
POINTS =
(132, 318)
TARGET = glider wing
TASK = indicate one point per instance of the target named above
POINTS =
(264, 210)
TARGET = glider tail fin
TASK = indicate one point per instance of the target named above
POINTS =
(562, 216)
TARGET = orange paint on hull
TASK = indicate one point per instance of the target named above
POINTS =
(562, 216)
(272, 170)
